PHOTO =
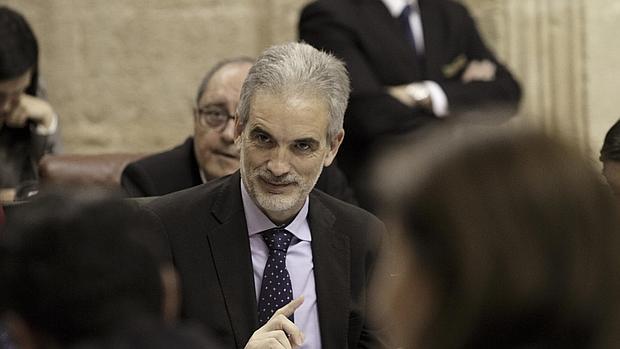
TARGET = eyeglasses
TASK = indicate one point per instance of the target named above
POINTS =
(213, 116)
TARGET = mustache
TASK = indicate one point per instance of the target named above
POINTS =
(267, 176)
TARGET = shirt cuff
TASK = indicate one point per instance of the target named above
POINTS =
(42, 130)
(439, 98)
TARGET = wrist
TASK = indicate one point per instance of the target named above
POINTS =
(420, 95)
(48, 125)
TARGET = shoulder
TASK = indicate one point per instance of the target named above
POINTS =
(336, 8)
(162, 173)
(346, 218)
(334, 182)
(342, 208)
(181, 202)
(164, 159)
(448, 8)
(183, 218)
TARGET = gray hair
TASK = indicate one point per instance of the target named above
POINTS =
(219, 65)
(298, 68)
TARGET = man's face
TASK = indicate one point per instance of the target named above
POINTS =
(10, 93)
(283, 151)
(214, 146)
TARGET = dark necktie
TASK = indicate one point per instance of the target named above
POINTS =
(276, 290)
(404, 21)
(408, 31)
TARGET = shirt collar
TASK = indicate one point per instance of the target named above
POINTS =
(396, 6)
(202, 176)
(257, 221)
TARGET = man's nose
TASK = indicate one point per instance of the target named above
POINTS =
(228, 133)
(279, 163)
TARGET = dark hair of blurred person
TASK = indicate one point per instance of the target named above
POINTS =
(19, 51)
(154, 243)
(154, 337)
(610, 157)
(507, 240)
(75, 273)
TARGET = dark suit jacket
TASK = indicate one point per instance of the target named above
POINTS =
(206, 230)
(372, 43)
(162, 173)
(177, 169)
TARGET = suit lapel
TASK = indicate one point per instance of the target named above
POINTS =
(330, 252)
(230, 249)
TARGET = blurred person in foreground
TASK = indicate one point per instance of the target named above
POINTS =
(505, 240)
(610, 157)
(28, 124)
(78, 273)
(211, 152)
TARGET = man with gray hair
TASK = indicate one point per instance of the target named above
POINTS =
(211, 152)
(265, 260)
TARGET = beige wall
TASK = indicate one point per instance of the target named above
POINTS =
(564, 52)
(122, 73)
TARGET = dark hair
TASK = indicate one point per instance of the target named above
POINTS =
(611, 144)
(296, 68)
(518, 235)
(73, 269)
(19, 50)
(219, 65)
(153, 336)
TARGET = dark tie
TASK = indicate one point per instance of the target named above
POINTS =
(276, 290)
(404, 21)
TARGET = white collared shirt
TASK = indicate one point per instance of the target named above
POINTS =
(299, 264)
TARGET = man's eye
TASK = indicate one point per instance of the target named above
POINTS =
(304, 147)
(215, 114)
(262, 139)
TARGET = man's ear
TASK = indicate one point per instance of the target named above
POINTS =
(195, 114)
(238, 128)
(333, 148)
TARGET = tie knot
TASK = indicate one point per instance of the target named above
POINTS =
(277, 239)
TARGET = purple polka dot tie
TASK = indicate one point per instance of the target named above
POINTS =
(276, 290)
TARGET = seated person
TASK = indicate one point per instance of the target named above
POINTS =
(610, 157)
(211, 152)
(27, 123)
(506, 240)
(78, 272)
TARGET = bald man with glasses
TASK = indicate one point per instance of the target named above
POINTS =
(211, 152)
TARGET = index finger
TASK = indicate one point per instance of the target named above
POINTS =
(290, 308)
